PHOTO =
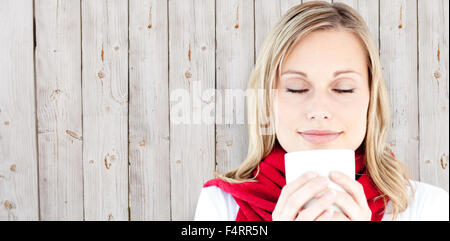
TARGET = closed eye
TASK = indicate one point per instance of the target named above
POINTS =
(297, 91)
(343, 91)
(304, 90)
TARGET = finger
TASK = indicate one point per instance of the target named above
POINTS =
(297, 200)
(292, 187)
(354, 188)
(321, 193)
(318, 207)
(338, 216)
(326, 216)
(347, 204)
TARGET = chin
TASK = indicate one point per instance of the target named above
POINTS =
(329, 145)
(322, 146)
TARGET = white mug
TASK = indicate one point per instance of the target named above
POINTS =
(322, 162)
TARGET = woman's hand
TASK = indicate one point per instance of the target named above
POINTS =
(295, 195)
(352, 202)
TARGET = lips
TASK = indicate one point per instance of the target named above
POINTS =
(320, 136)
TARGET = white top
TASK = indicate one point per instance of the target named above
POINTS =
(430, 203)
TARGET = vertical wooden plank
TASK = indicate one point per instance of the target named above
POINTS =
(267, 14)
(370, 13)
(433, 28)
(288, 4)
(234, 62)
(398, 45)
(192, 73)
(105, 109)
(58, 84)
(18, 152)
(304, 1)
(149, 111)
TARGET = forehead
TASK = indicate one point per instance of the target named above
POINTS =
(327, 50)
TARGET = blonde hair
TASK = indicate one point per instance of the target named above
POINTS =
(388, 174)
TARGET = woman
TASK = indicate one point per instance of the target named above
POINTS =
(323, 89)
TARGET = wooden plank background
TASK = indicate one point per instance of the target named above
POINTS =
(89, 122)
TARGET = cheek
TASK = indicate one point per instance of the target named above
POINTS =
(354, 122)
(288, 113)
(355, 119)
(287, 120)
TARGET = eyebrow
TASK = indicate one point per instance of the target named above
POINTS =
(337, 73)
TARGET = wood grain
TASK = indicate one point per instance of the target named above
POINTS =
(433, 35)
(59, 113)
(105, 109)
(149, 111)
(18, 151)
(192, 72)
(234, 62)
(398, 53)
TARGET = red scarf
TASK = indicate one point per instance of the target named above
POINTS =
(257, 200)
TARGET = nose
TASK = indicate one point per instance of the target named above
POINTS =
(318, 115)
(319, 108)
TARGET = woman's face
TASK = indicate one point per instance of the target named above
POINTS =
(323, 86)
